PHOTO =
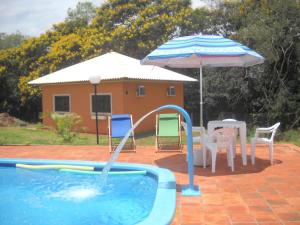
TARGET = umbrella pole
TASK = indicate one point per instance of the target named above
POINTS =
(201, 98)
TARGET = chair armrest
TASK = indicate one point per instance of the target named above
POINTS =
(198, 129)
(208, 139)
(271, 129)
(265, 130)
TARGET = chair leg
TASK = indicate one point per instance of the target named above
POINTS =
(231, 157)
(234, 147)
(204, 156)
(271, 152)
(230, 162)
(228, 156)
(253, 148)
(213, 160)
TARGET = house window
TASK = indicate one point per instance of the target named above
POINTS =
(141, 90)
(171, 91)
(62, 103)
(103, 103)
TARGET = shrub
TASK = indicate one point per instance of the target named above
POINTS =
(67, 125)
(290, 136)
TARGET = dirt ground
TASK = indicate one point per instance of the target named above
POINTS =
(6, 120)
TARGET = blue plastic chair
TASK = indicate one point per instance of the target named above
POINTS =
(119, 125)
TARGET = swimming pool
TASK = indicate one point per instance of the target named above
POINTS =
(51, 197)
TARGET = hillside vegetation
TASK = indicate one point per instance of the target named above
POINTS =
(261, 95)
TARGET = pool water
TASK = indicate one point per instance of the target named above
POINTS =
(51, 197)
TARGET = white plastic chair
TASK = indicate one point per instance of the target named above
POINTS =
(262, 140)
(199, 139)
(213, 143)
(194, 129)
(219, 141)
(233, 132)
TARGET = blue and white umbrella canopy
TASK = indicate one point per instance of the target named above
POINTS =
(202, 50)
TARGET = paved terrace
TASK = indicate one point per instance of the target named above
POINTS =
(260, 194)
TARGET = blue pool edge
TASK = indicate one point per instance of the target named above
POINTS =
(164, 205)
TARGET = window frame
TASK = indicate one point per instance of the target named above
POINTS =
(169, 93)
(61, 95)
(138, 91)
(93, 114)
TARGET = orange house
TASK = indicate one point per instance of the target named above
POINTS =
(126, 87)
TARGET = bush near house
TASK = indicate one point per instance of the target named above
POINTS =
(67, 126)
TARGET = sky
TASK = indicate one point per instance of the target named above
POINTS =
(33, 17)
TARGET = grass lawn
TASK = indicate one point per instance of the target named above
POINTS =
(39, 135)
(291, 136)
(34, 134)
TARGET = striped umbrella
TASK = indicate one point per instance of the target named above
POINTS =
(202, 50)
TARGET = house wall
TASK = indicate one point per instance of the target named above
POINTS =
(156, 95)
(124, 100)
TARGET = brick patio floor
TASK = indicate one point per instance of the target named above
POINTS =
(260, 194)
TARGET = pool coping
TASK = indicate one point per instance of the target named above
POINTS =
(166, 190)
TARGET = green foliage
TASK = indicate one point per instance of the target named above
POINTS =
(67, 125)
(263, 94)
(82, 14)
(77, 18)
(11, 40)
(291, 136)
(137, 27)
(130, 27)
(65, 52)
(260, 95)
(277, 85)
(9, 96)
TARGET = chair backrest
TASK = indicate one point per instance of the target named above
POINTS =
(120, 125)
(168, 125)
(233, 130)
(230, 120)
(223, 137)
(183, 124)
(274, 129)
(201, 130)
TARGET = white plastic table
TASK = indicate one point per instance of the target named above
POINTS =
(241, 125)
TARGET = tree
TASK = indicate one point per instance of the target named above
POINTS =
(82, 14)
(130, 27)
(265, 93)
(77, 18)
(17, 67)
(137, 27)
(277, 86)
(260, 94)
(11, 40)
(9, 97)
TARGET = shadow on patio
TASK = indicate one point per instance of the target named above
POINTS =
(179, 164)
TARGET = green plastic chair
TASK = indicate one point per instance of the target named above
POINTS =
(168, 133)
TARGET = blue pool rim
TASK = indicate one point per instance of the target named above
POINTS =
(164, 206)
